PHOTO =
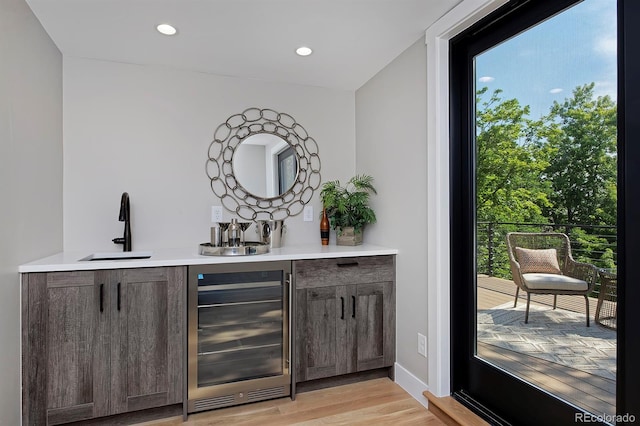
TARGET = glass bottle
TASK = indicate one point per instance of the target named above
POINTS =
(234, 233)
(324, 228)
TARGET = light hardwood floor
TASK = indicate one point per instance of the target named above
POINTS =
(373, 402)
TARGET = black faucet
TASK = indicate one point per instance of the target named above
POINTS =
(125, 216)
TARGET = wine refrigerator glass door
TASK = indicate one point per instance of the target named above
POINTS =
(239, 348)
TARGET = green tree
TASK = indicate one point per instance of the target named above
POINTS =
(509, 162)
(559, 169)
(592, 248)
(582, 170)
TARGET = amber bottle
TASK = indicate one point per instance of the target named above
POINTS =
(324, 228)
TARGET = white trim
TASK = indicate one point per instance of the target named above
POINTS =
(438, 280)
(411, 384)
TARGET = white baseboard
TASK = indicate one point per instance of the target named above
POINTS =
(411, 384)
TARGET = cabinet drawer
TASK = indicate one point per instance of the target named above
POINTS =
(344, 270)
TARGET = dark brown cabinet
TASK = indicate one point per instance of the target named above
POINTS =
(345, 316)
(97, 343)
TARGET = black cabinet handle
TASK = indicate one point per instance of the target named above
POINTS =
(342, 303)
(118, 296)
(353, 306)
(101, 297)
(347, 264)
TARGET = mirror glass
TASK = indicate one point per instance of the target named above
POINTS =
(265, 165)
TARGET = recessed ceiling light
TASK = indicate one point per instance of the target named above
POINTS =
(304, 51)
(166, 29)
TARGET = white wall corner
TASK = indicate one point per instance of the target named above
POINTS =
(437, 38)
(410, 383)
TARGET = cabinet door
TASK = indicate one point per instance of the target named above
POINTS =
(65, 347)
(375, 319)
(321, 332)
(148, 310)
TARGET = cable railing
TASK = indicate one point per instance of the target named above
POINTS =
(595, 244)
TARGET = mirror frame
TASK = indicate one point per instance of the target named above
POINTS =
(233, 196)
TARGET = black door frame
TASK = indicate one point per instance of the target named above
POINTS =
(475, 382)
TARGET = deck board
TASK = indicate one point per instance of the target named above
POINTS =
(592, 392)
(565, 382)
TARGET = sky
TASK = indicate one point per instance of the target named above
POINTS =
(547, 62)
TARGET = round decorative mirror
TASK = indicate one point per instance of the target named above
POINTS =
(263, 165)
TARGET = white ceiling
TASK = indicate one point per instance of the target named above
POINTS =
(352, 39)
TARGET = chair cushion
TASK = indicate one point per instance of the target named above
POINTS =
(553, 282)
(538, 260)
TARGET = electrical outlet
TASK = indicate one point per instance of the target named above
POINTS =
(216, 214)
(308, 214)
(422, 345)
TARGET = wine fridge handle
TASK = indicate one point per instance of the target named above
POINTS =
(289, 282)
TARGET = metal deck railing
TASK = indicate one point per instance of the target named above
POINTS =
(593, 244)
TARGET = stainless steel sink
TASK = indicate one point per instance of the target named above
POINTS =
(118, 255)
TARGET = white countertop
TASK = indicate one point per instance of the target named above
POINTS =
(70, 261)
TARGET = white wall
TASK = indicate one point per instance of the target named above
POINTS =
(250, 168)
(146, 130)
(30, 174)
(391, 137)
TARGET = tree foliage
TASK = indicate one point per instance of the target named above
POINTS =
(509, 164)
(581, 134)
(560, 169)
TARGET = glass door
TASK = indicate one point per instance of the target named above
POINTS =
(239, 347)
(240, 326)
(540, 214)
(546, 212)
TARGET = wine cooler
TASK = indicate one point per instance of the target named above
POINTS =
(239, 342)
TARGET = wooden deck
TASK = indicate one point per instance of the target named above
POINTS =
(594, 393)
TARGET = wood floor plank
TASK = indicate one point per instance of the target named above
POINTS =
(373, 402)
(399, 412)
(324, 411)
(452, 411)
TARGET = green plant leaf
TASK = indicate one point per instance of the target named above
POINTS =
(349, 205)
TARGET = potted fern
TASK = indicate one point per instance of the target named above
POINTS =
(348, 208)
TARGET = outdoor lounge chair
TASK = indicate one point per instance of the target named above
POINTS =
(541, 263)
